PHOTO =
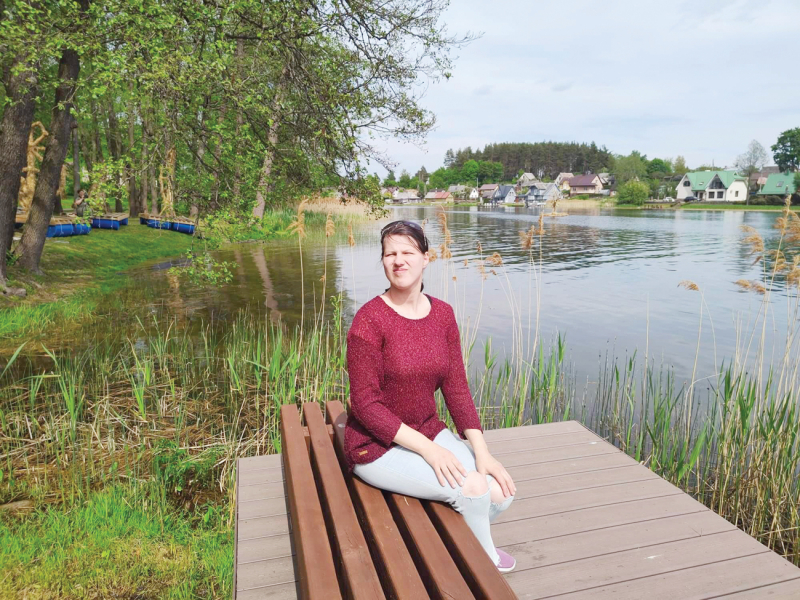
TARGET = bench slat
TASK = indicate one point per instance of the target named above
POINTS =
(476, 567)
(398, 573)
(440, 573)
(316, 572)
(353, 558)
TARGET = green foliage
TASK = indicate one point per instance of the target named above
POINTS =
(180, 475)
(659, 167)
(203, 270)
(405, 180)
(786, 151)
(633, 192)
(390, 180)
(627, 168)
(549, 158)
(470, 171)
(679, 165)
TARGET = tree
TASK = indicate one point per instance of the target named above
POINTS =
(390, 180)
(469, 172)
(449, 158)
(422, 174)
(630, 167)
(679, 165)
(439, 179)
(633, 192)
(405, 180)
(658, 167)
(751, 161)
(786, 150)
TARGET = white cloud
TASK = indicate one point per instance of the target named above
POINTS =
(699, 79)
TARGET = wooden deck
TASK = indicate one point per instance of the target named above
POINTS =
(588, 522)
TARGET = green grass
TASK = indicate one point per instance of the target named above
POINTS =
(123, 542)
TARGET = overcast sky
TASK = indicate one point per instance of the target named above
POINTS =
(698, 78)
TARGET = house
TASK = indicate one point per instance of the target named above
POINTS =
(585, 184)
(458, 191)
(759, 178)
(606, 179)
(505, 194)
(562, 181)
(439, 196)
(487, 190)
(544, 192)
(474, 194)
(717, 186)
(779, 184)
(405, 196)
(527, 180)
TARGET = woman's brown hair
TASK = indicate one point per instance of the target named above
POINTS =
(412, 230)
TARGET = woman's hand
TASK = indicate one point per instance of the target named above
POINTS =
(486, 464)
(445, 465)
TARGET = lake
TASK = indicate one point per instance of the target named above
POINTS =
(607, 280)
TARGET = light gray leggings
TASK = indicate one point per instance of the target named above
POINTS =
(405, 472)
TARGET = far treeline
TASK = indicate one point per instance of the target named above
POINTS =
(227, 106)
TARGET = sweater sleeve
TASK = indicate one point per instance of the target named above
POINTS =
(365, 370)
(455, 387)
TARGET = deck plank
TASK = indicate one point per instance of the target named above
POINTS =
(712, 580)
(529, 431)
(788, 590)
(601, 571)
(273, 571)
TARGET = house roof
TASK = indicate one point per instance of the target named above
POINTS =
(583, 180)
(438, 195)
(454, 189)
(701, 179)
(765, 172)
(779, 184)
(563, 176)
(504, 189)
(488, 186)
(407, 195)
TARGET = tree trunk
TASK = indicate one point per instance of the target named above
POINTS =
(237, 175)
(269, 154)
(133, 200)
(97, 143)
(76, 159)
(21, 90)
(114, 144)
(143, 205)
(32, 244)
(201, 152)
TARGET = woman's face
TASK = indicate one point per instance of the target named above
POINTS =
(403, 263)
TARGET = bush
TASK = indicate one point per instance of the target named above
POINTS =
(633, 192)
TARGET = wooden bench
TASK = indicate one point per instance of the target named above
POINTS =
(351, 540)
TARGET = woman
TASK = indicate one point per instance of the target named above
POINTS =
(402, 346)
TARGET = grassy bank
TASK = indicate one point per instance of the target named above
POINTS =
(751, 207)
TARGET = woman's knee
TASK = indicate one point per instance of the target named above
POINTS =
(496, 492)
(474, 485)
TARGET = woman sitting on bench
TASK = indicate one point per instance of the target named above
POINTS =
(402, 346)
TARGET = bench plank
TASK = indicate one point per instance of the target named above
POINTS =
(438, 570)
(358, 575)
(316, 571)
(486, 582)
(398, 573)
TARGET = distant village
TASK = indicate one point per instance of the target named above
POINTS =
(697, 186)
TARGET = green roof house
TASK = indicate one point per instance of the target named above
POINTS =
(713, 186)
(779, 184)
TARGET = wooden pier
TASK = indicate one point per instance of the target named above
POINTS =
(588, 522)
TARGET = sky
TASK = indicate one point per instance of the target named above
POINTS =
(697, 78)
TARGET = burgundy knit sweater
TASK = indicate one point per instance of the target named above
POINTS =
(395, 365)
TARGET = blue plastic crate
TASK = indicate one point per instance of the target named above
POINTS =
(98, 223)
(124, 221)
(81, 229)
(158, 224)
(142, 221)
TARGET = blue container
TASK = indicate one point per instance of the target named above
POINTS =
(158, 224)
(64, 230)
(183, 228)
(98, 223)
(124, 221)
(142, 221)
(81, 229)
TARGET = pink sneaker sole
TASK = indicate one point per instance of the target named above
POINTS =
(507, 562)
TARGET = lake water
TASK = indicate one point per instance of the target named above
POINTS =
(607, 280)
